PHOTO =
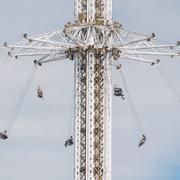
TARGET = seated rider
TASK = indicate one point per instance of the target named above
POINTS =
(118, 92)
(3, 135)
(69, 142)
(39, 92)
(142, 141)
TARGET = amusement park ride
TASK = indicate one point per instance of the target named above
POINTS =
(96, 44)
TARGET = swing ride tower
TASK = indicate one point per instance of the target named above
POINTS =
(96, 44)
(93, 92)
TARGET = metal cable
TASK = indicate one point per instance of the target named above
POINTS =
(168, 81)
(131, 104)
(4, 65)
(71, 119)
(21, 98)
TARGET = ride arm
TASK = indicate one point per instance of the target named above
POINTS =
(44, 47)
(144, 48)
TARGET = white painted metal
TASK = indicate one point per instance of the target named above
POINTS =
(107, 118)
(77, 117)
(90, 115)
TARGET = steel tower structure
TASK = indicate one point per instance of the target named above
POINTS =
(95, 43)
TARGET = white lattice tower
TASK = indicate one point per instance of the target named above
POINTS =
(95, 43)
(93, 96)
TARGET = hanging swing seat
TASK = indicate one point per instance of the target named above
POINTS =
(69, 142)
(118, 92)
(142, 141)
(3, 135)
(40, 93)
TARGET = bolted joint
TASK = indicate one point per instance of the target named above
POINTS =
(37, 63)
(67, 25)
(25, 36)
(155, 62)
(99, 52)
(151, 37)
(158, 61)
(10, 54)
(91, 47)
(5, 44)
(70, 53)
(119, 66)
(108, 23)
(117, 25)
(30, 40)
(82, 51)
(178, 43)
(82, 169)
(116, 53)
(65, 34)
(178, 53)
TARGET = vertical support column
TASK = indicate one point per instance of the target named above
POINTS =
(108, 13)
(93, 117)
(97, 12)
(80, 117)
(76, 9)
(91, 11)
(99, 146)
(90, 112)
(81, 11)
(100, 12)
(77, 117)
(98, 117)
(107, 117)
(83, 116)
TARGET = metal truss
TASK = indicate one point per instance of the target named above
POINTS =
(93, 12)
(98, 120)
(83, 112)
(63, 44)
(95, 43)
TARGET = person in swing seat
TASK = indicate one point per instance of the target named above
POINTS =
(3, 135)
(39, 92)
(69, 142)
(118, 92)
(142, 141)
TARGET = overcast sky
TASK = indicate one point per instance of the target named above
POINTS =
(35, 149)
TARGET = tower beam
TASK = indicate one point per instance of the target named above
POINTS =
(93, 116)
(93, 11)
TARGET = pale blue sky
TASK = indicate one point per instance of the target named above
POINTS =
(35, 149)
